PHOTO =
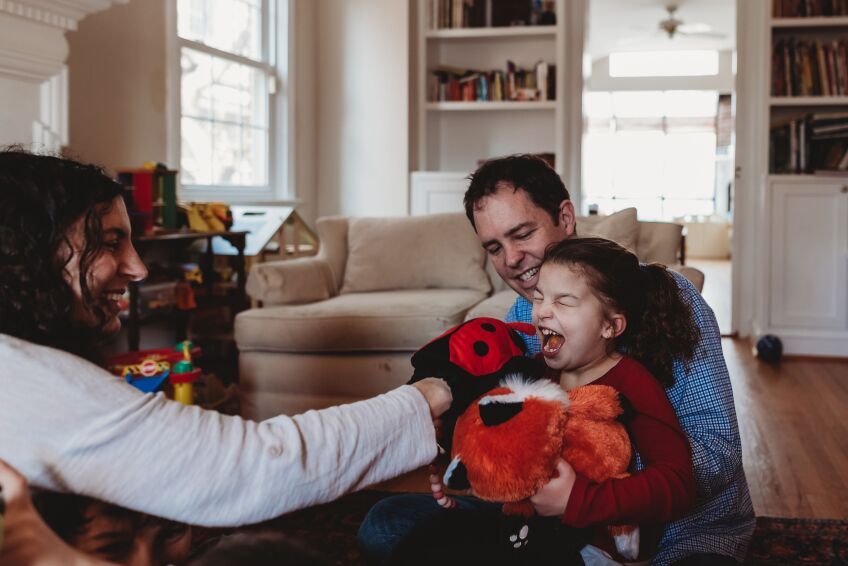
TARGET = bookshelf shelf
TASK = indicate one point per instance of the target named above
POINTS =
(483, 106)
(492, 32)
(808, 100)
(466, 114)
(813, 22)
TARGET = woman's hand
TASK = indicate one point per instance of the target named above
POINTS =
(437, 393)
(552, 498)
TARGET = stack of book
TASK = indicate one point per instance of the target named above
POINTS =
(809, 67)
(449, 84)
(813, 143)
(809, 8)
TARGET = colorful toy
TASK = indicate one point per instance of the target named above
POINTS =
(507, 429)
(147, 370)
(184, 375)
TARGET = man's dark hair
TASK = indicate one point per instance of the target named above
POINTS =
(41, 196)
(525, 172)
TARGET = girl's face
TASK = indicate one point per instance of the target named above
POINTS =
(114, 267)
(572, 323)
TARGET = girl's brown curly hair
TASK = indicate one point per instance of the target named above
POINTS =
(660, 326)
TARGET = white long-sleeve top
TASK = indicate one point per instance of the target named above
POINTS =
(69, 425)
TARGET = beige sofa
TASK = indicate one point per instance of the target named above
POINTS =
(341, 326)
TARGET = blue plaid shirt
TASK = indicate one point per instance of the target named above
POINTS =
(723, 519)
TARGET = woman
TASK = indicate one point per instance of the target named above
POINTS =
(66, 257)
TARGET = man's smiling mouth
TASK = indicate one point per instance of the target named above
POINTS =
(529, 274)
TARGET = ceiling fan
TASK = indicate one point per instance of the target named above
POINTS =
(673, 26)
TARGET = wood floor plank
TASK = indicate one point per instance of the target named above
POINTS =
(793, 421)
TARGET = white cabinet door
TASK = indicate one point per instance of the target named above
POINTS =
(809, 253)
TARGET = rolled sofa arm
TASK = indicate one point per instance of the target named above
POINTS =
(291, 282)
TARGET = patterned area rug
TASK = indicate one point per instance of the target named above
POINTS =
(331, 528)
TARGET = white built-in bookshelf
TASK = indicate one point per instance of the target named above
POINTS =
(804, 243)
(451, 136)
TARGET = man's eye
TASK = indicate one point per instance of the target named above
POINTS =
(524, 235)
(493, 250)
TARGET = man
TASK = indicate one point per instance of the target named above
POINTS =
(518, 206)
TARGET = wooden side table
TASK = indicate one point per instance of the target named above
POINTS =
(176, 240)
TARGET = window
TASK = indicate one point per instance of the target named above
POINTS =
(655, 150)
(232, 111)
(663, 63)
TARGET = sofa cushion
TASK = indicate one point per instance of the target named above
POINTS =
(659, 242)
(495, 306)
(381, 321)
(620, 227)
(414, 252)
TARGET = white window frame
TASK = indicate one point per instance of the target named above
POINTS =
(278, 40)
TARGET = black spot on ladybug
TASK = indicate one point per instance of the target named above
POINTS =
(481, 348)
(488, 327)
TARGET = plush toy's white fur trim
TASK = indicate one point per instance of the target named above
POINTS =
(451, 468)
(522, 389)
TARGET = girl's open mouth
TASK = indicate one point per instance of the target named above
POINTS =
(551, 341)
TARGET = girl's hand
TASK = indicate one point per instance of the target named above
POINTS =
(552, 498)
(437, 393)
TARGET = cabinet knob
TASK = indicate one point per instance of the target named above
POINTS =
(844, 189)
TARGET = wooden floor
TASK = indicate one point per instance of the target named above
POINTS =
(793, 419)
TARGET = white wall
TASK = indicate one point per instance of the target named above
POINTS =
(723, 82)
(363, 107)
(117, 85)
(19, 107)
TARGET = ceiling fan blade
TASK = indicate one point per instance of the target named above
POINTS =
(705, 34)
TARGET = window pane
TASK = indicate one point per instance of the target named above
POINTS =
(663, 64)
(689, 165)
(196, 156)
(229, 25)
(691, 103)
(240, 93)
(196, 85)
(636, 104)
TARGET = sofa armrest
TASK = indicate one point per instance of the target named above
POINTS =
(695, 276)
(292, 281)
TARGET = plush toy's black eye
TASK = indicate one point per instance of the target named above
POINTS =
(488, 327)
(481, 348)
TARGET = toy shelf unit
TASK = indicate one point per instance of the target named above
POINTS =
(151, 196)
(186, 281)
(489, 81)
(804, 248)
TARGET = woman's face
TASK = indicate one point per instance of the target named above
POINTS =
(114, 267)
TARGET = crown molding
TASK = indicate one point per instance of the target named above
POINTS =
(32, 34)
(62, 14)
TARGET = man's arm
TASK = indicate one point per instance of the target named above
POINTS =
(703, 400)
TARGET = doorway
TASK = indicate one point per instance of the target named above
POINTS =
(659, 128)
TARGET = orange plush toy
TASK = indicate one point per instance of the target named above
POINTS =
(508, 426)
(506, 444)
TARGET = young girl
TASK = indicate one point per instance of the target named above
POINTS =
(602, 318)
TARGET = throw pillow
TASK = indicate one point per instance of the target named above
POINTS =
(414, 252)
(620, 227)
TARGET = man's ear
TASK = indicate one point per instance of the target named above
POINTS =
(616, 324)
(568, 217)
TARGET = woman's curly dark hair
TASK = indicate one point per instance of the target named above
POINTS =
(41, 196)
(660, 326)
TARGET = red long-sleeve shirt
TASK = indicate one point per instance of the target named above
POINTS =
(664, 489)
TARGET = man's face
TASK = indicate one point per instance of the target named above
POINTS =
(116, 265)
(515, 233)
